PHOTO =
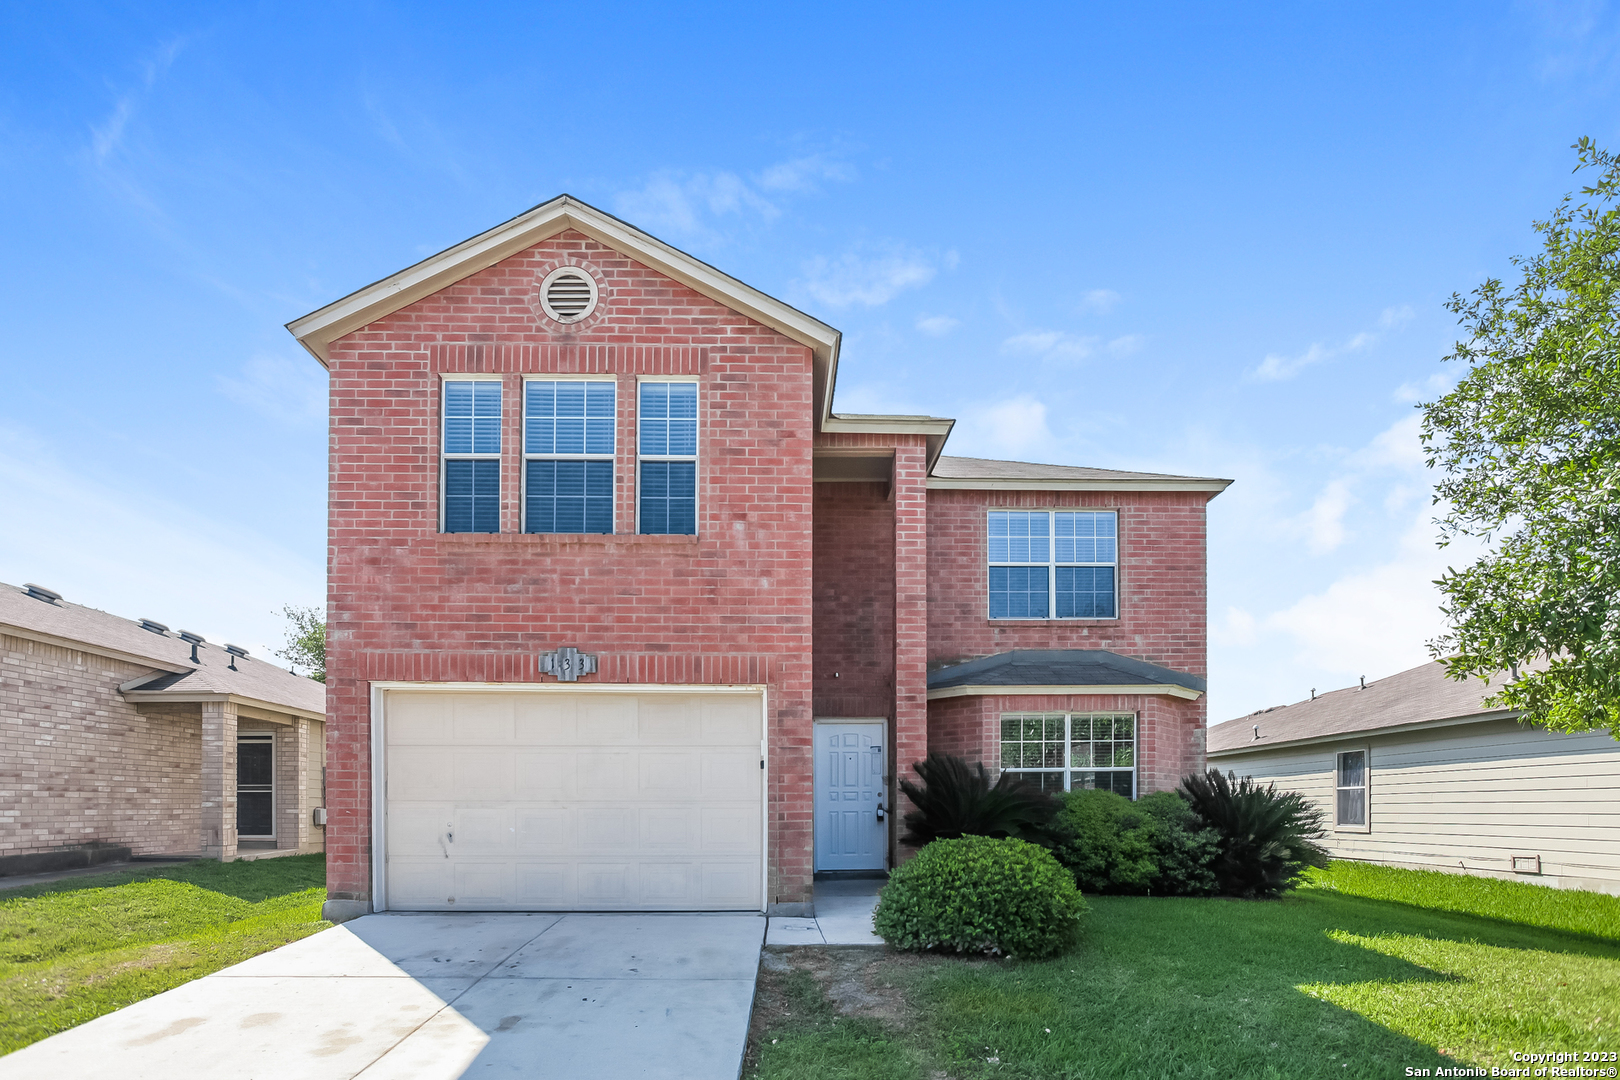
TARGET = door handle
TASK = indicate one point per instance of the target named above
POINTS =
(880, 810)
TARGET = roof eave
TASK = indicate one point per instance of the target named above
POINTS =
(1362, 733)
(171, 666)
(937, 483)
(1158, 689)
(934, 429)
(320, 328)
(190, 696)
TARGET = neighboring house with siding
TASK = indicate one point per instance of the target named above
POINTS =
(124, 736)
(1414, 770)
(623, 615)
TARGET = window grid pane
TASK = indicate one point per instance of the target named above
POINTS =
(472, 496)
(472, 416)
(667, 428)
(1351, 789)
(568, 419)
(569, 497)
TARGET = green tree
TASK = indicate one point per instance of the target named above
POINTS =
(1529, 445)
(305, 650)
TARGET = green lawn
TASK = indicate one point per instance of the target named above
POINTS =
(1324, 983)
(75, 949)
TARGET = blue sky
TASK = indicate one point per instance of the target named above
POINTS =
(1169, 237)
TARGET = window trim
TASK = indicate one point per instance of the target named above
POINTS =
(524, 457)
(1052, 564)
(1366, 790)
(456, 376)
(1068, 768)
(695, 459)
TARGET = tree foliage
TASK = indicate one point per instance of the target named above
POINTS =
(1529, 445)
(305, 649)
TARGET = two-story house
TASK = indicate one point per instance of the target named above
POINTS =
(622, 615)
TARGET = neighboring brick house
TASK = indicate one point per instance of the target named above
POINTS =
(622, 615)
(120, 736)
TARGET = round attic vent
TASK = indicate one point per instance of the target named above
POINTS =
(568, 294)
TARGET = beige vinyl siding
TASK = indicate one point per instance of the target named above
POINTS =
(1468, 797)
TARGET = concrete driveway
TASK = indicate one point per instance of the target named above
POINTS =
(440, 996)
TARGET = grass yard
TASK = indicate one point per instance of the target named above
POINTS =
(73, 950)
(1364, 973)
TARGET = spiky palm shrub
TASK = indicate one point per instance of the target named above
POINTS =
(1267, 837)
(957, 799)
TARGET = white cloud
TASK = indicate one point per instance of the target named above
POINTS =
(137, 555)
(867, 279)
(1099, 302)
(293, 392)
(107, 137)
(1050, 345)
(1277, 367)
(1014, 426)
(1394, 318)
(680, 202)
(1126, 344)
(1374, 621)
(687, 203)
(937, 325)
(1427, 389)
(803, 174)
(1396, 447)
(1323, 523)
(1237, 628)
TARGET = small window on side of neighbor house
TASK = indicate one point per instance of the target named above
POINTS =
(1350, 795)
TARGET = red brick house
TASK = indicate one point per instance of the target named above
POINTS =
(622, 615)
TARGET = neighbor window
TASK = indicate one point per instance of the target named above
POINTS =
(666, 452)
(472, 455)
(1072, 751)
(1350, 782)
(1053, 564)
(568, 456)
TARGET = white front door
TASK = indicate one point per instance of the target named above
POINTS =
(852, 831)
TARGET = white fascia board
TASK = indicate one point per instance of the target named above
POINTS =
(1363, 734)
(258, 705)
(1002, 483)
(317, 330)
(578, 687)
(1157, 689)
(95, 650)
(934, 429)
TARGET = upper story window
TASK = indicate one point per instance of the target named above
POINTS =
(1053, 564)
(568, 436)
(666, 457)
(472, 455)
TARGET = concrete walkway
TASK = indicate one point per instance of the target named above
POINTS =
(434, 997)
(843, 916)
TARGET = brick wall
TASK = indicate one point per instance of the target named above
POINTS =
(731, 605)
(78, 763)
(854, 600)
(1163, 598)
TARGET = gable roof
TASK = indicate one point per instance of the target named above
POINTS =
(967, 472)
(1419, 697)
(1060, 671)
(175, 677)
(317, 330)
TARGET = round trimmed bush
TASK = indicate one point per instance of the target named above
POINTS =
(981, 895)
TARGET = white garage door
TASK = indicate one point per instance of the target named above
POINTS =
(556, 800)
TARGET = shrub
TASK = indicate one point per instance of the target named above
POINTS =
(1105, 842)
(1184, 847)
(1267, 837)
(1155, 845)
(957, 799)
(981, 895)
